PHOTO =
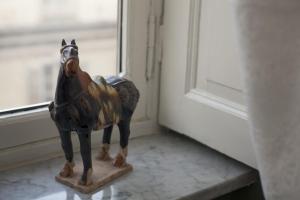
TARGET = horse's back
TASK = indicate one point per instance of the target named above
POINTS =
(127, 91)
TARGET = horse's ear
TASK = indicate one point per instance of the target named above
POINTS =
(73, 42)
(63, 42)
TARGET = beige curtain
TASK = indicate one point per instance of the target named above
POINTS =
(269, 35)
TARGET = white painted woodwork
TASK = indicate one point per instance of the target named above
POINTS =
(201, 91)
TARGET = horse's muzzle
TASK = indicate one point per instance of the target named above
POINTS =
(72, 66)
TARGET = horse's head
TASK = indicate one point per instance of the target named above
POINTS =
(69, 57)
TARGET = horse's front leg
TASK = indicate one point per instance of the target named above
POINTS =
(66, 143)
(86, 155)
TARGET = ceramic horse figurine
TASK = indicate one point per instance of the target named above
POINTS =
(82, 105)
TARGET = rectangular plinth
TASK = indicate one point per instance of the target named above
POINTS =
(103, 173)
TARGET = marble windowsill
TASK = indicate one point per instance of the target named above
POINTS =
(166, 166)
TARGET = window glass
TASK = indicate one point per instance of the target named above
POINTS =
(30, 36)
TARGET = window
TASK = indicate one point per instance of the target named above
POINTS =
(31, 135)
(30, 37)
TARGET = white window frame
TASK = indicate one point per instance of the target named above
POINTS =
(28, 136)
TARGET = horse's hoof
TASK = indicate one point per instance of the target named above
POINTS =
(103, 156)
(104, 153)
(119, 161)
(86, 180)
(85, 183)
(67, 170)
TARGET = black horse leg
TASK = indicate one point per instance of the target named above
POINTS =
(86, 155)
(104, 150)
(124, 127)
(66, 143)
(107, 135)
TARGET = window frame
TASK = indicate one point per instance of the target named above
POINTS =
(31, 135)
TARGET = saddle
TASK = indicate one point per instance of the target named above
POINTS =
(113, 81)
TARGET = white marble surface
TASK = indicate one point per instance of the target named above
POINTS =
(166, 166)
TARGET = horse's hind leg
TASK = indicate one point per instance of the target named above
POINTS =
(86, 155)
(124, 127)
(104, 150)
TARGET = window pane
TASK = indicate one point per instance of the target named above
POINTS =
(30, 39)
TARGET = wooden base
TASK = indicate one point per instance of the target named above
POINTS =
(103, 173)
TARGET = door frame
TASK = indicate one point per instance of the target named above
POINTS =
(222, 123)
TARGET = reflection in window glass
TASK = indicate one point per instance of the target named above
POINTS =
(30, 38)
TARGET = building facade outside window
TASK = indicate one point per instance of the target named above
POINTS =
(30, 36)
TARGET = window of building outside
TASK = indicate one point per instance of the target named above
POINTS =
(30, 37)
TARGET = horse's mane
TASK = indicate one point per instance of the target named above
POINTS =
(83, 78)
(61, 78)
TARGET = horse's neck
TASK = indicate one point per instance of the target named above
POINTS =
(59, 92)
(65, 88)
